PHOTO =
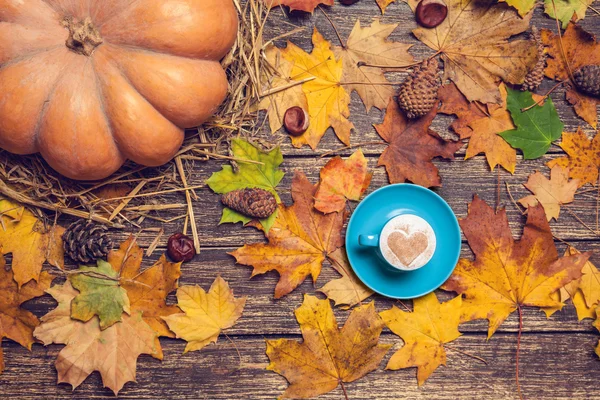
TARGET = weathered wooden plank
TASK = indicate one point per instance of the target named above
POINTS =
(553, 366)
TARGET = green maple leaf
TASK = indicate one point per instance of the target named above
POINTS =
(567, 9)
(266, 176)
(99, 294)
(537, 127)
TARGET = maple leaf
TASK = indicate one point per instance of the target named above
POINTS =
(453, 102)
(113, 352)
(383, 4)
(475, 47)
(328, 356)
(424, 331)
(205, 315)
(147, 290)
(509, 274)
(327, 99)
(370, 46)
(248, 175)
(551, 193)
(537, 127)
(16, 323)
(299, 241)
(301, 5)
(597, 326)
(99, 294)
(341, 180)
(522, 6)
(580, 49)
(583, 157)
(567, 10)
(348, 290)
(30, 242)
(278, 103)
(412, 146)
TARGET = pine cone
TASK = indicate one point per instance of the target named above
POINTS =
(535, 77)
(418, 93)
(587, 79)
(255, 203)
(85, 241)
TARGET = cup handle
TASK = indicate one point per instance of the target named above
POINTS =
(368, 240)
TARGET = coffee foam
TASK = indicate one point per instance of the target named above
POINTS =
(407, 242)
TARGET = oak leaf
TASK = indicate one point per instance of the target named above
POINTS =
(383, 4)
(508, 274)
(16, 323)
(113, 352)
(567, 10)
(30, 242)
(412, 146)
(99, 295)
(328, 356)
(424, 332)
(301, 5)
(580, 49)
(204, 315)
(287, 96)
(299, 241)
(551, 193)
(348, 290)
(342, 180)
(370, 46)
(327, 99)
(476, 50)
(583, 157)
(266, 175)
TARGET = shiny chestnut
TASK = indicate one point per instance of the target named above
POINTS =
(296, 121)
(180, 248)
(431, 13)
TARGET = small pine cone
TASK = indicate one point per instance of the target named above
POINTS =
(587, 79)
(255, 203)
(418, 93)
(85, 241)
(535, 77)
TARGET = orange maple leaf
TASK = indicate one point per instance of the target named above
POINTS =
(580, 49)
(583, 158)
(412, 146)
(302, 5)
(299, 241)
(453, 102)
(341, 180)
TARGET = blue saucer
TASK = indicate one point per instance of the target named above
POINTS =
(371, 215)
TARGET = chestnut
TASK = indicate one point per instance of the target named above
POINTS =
(296, 120)
(180, 248)
(431, 13)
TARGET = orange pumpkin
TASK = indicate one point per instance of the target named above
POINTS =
(91, 83)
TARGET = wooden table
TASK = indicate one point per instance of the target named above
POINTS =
(557, 357)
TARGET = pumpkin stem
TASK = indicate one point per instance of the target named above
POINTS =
(83, 36)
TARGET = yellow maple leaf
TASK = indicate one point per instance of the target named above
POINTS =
(30, 242)
(507, 274)
(424, 331)
(327, 99)
(204, 315)
(383, 4)
(328, 356)
(369, 45)
(551, 193)
(476, 50)
(522, 6)
(597, 325)
(583, 156)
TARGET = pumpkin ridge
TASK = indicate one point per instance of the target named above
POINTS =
(127, 7)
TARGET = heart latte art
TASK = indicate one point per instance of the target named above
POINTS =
(407, 242)
(407, 247)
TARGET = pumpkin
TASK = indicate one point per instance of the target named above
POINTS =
(91, 83)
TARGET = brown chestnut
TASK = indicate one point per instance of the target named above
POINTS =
(348, 2)
(431, 13)
(180, 248)
(296, 121)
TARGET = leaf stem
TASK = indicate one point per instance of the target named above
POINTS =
(544, 97)
(518, 349)
(342, 385)
(342, 43)
(351, 147)
(465, 353)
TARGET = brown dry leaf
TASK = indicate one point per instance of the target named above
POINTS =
(583, 157)
(370, 46)
(113, 352)
(476, 50)
(16, 323)
(424, 332)
(412, 146)
(30, 242)
(278, 103)
(383, 4)
(508, 274)
(551, 193)
(348, 290)
(302, 5)
(342, 180)
(453, 102)
(147, 289)
(328, 356)
(205, 315)
(299, 241)
(327, 99)
(580, 49)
